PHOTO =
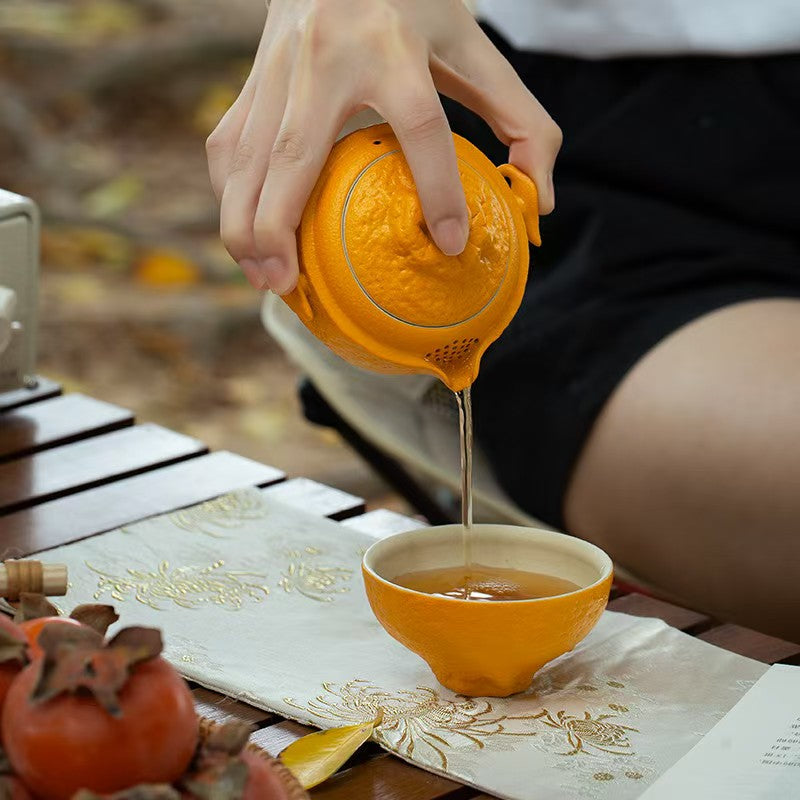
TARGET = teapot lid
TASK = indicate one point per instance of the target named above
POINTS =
(394, 259)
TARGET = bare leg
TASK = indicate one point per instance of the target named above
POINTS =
(691, 476)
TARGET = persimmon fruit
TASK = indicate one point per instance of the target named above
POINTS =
(103, 717)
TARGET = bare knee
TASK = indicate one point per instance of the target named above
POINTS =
(690, 476)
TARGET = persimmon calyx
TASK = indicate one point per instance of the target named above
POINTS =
(10, 787)
(5, 764)
(76, 659)
(13, 646)
(229, 739)
(34, 606)
(218, 771)
(96, 616)
(161, 791)
(223, 780)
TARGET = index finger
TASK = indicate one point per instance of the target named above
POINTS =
(419, 122)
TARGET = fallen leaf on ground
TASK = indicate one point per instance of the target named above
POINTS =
(167, 268)
(72, 248)
(114, 197)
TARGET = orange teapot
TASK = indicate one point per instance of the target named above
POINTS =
(376, 289)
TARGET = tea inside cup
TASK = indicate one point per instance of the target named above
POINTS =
(480, 648)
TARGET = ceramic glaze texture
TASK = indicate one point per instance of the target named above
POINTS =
(414, 280)
(479, 648)
(375, 288)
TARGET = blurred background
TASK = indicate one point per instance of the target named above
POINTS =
(105, 106)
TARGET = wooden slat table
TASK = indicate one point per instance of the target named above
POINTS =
(73, 467)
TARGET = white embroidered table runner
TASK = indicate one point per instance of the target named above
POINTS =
(265, 603)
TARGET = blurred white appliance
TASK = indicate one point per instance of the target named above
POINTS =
(19, 280)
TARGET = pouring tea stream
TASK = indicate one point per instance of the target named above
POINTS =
(377, 290)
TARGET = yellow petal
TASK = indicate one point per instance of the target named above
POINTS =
(315, 757)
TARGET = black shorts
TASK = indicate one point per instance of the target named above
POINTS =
(677, 193)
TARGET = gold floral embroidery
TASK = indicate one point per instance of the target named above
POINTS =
(618, 707)
(591, 732)
(603, 776)
(313, 580)
(228, 511)
(414, 721)
(193, 586)
(634, 776)
(422, 718)
(187, 587)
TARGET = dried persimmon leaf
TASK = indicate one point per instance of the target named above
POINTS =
(159, 791)
(13, 644)
(34, 606)
(96, 616)
(225, 780)
(138, 643)
(229, 738)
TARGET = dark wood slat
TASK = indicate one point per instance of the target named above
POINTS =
(217, 707)
(316, 498)
(277, 737)
(640, 605)
(92, 462)
(753, 644)
(21, 397)
(155, 492)
(388, 778)
(56, 422)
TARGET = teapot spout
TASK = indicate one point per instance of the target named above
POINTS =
(459, 378)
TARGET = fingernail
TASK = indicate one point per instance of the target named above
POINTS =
(254, 274)
(275, 271)
(451, 236)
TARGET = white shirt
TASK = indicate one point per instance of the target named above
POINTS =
(604, 28)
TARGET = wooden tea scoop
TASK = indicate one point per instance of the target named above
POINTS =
(32, 576)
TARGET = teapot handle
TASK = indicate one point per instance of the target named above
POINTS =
(298, 300)
(524, 189)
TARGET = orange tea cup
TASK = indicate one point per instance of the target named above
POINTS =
(487, 648)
